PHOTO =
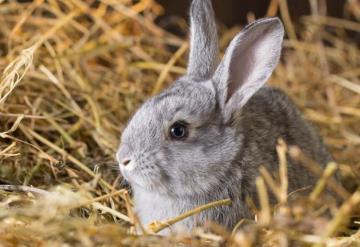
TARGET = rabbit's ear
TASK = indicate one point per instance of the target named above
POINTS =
(248, 63)
(203, 41)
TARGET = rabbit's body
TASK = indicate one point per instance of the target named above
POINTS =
(268, 116)
(204, 138)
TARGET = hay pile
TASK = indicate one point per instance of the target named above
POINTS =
(74, 71)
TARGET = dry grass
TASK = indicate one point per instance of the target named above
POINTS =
(73, 72)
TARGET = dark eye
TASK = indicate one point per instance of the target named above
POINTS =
(178, 130)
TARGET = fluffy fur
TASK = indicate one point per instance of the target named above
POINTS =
(233, 120)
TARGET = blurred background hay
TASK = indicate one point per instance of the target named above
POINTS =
(74, 71)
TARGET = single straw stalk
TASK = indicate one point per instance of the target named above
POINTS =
(321, 183)
(265, 212)
(157, 226)
(281, 151)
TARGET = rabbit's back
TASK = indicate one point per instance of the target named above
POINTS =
(269, 115)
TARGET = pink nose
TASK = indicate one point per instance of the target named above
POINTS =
(126, 162)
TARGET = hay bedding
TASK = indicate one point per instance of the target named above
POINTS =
(74, 71)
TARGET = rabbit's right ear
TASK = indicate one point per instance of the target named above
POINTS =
(247, 64)
(203, 41)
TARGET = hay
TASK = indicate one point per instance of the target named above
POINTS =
(74, 71)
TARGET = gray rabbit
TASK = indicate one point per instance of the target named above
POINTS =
(204, 138)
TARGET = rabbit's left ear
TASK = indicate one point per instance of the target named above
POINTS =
(203, 41)
(248, 63)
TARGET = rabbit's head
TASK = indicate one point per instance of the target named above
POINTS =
(182, 142)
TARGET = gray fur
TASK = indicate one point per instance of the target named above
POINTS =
(234, 123)
(203, 41)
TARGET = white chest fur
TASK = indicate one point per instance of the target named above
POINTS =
(151, 207)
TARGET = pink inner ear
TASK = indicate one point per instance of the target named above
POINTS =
(248, 63)
(254, 56)
(241, 66)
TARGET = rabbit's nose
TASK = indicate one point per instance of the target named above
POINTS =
(126, 162)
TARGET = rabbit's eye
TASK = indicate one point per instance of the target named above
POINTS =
(178, 130)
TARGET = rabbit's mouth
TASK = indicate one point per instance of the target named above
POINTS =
(124, 174)
(143, 178)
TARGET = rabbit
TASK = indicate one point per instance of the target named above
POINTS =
(204, 138)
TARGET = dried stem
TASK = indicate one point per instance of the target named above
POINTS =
(156, 226)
